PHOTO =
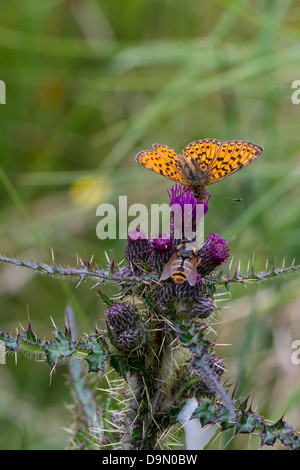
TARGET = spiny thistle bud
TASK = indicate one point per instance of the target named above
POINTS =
(138, 248)
(186, 292)
(129, 339)
(165, 297)
(202, 308)
(122, 316)
(213, 253)
(162, 250)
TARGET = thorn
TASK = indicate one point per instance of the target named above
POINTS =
(50, 376)
(230, 265)
(244, 404)
(29, 326)
(235, 388)
(97, 284)
(52, 257)
(267, 262)
(82, 278)
(106, 255)
(252, 269)
(248, 267)
(53, 323)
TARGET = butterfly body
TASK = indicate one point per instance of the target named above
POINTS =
(202, 162)
(194, 176)
(182, 265)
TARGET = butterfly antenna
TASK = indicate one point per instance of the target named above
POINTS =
(226, 197)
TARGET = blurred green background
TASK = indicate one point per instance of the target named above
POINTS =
(89, 84)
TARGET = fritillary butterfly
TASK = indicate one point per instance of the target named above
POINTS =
(202, 162)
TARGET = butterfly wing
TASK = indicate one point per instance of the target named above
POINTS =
(233, 156)
(200, 154)
(162, 160)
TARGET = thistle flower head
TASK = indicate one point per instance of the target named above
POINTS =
(187, 211)
(138, 248)
(162, 249)
(213, 253)
(218, 248)
(178, 194)
(162, 243)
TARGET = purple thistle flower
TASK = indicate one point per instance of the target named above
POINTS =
(162, 243)
(138, 248)
(178, 194)
(213, 252)
(162, 249)
(186, 205)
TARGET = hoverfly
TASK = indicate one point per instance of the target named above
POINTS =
(182, 265)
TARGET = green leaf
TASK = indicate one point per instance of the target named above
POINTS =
(63, 347)
(205, 412)
(118, 363)
(98, 353)
(93, 350)
(267, 437)
(10, 342)
(106, 299)
(247, 423)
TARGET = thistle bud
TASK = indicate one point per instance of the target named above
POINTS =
(165, 297)
(186, 292)
(122, 316)
(129, 339)
(202, 308)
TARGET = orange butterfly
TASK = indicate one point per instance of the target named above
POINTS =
(202, 162)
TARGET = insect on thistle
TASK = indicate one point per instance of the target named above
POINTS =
(202, 162)
(182, 266)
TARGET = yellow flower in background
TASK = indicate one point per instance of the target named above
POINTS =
(90, 191)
